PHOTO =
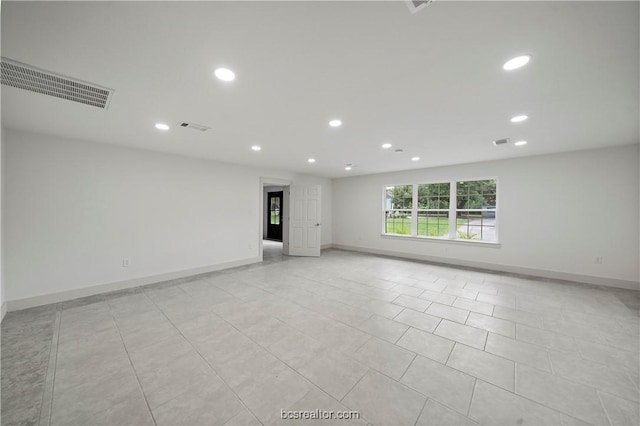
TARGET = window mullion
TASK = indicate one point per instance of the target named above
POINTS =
(414, 211)
(453, 202)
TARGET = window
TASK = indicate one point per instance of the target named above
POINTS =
(476, 210)
(433, 210)
(398, 209)
(455, 210)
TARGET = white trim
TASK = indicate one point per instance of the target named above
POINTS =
(443, 240)
(45, 299)
(3, 311)
(532, 272)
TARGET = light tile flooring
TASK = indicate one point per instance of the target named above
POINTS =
(399, 342)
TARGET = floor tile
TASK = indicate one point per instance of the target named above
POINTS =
(492, 405)
(470, 336)
(412, 302)
(382, 401)
(426, 344)
(574, 399)
(443, 299)
(205, 402)
(385, 357)
(407, 290)
(418, 320)
(285, 336)
(335, 373)
(384, 309)
(597, 375)
(243, 418)
(384, 328)
(620, 411)
(461, 292)
(447, 312)
(436, 414)
(518, 351)
(267, 397)
(296, 349)
(444, 384)
(473, 306)
(520, 317)
(492, 324)
(545, 338)
(483, 365)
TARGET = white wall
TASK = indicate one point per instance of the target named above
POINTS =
(556, 214)
(74, 210)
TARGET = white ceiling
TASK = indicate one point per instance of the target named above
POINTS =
(431, 83)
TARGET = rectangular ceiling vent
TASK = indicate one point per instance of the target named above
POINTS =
(194, 126)
(27, 77)
(417, 5)
(501, 141)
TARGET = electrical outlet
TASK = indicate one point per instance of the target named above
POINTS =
(598, 260)
(125, 263)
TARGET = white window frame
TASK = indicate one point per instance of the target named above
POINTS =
(452, 216)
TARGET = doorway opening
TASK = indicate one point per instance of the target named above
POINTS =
(274, 219)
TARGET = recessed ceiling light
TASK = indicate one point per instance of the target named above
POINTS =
(162, 126)
(348, 168)
(518, 118)
(520, 143)
(517, 62)
(386, 145)
(415, 158)
(311, 160)
(335, 123)
(256, 148)
(225, 74)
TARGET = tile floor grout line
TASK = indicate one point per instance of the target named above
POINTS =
(421, 411)
(415, 356)
(47, 394)
(133, 368)
(473, 393)
(207, 362)
(604, 408)
(403, 333)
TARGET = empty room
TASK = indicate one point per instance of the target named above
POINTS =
(320, 213)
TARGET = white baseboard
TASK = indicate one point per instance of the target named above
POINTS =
(45, 299)
(3, 311)
(541, 273)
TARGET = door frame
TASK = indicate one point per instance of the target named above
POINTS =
(285, 184)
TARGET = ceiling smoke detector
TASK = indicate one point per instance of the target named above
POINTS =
(193, 126)
(417, 5)
(27, 77)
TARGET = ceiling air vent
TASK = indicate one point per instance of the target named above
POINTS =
(193, 126)
(27, 77)
(501, 141)
(417, 5)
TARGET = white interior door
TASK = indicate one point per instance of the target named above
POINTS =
(305, 220)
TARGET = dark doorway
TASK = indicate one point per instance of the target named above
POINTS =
(274, 219)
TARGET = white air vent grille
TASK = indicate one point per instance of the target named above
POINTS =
(501, 141)
(27, 77)
(193, 126)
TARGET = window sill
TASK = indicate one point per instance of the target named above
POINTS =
(476, 243)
